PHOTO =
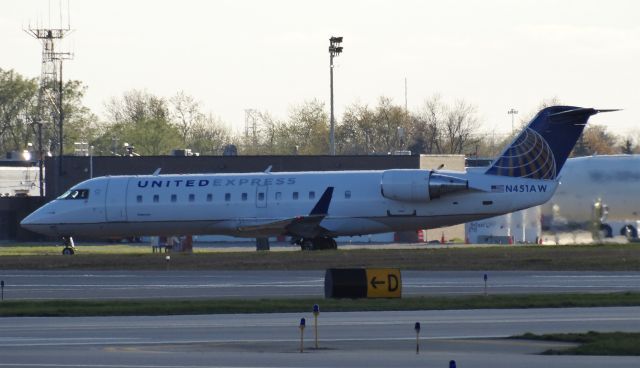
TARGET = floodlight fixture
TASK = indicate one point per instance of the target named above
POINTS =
(334, 50)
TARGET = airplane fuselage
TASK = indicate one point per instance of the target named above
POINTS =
(362, 202)
(614, 180)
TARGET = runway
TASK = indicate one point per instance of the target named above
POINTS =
(474, 338)
(278, 284)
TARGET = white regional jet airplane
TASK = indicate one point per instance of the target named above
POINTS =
(315, 207)
(613, 182)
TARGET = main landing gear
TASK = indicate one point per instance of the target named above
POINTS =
(69, 247)
(317, 243)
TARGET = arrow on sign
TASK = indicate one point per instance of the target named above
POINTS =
(375, 283)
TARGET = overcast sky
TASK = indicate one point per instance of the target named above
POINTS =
(270, 55)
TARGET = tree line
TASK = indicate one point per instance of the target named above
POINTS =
(155, 125)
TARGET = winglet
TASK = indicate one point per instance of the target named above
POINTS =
(322, 207)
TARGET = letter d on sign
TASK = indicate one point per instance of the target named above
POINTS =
(393, 282)
(384, 283)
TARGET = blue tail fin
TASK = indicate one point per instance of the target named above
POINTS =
(542, 148)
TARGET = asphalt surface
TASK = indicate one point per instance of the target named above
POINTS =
(277, 284)
(473, 338)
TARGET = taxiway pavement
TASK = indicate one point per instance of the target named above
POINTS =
(278, 284)
(473, 338)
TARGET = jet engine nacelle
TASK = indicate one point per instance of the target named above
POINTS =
(418, 185)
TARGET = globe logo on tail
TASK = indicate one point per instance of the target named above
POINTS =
(529, 156)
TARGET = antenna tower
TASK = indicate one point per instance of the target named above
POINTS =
(251, 117)
(50, 93)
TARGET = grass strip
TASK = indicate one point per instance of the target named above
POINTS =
(624, 257)
(592, 343)
(227, 306)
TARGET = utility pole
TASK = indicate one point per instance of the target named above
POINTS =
(334, 50)
(60, 122)
(40, 158)
(406, 109)
(513, 112)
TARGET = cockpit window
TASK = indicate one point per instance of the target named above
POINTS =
(75, 194)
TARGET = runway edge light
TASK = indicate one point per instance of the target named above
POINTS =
(303, 323)
(316, 313)
(485, 283)
(417, 329)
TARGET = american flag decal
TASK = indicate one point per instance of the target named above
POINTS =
(497, 188)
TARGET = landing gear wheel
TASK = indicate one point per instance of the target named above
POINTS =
(606, 231)
(319, 243)
(629, 232)
(307, 244)
(68, 246)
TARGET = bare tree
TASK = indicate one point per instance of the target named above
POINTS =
(627, 147)
(425, 126)
(459, 127)
(208, 136)
(597, 140)
(355, 132)
(267, 136)
(136, 106)
(307, 131)
(439, 128)
(383, 129)
(185, 113)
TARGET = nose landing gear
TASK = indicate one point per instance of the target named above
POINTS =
(69, 247)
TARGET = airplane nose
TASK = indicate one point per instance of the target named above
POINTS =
(34, 222)
(29, 222)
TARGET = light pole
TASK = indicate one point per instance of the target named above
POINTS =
(334, 50)
(90, 162)
(512, 112)
(40, 158)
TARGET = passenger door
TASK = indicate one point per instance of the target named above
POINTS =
(261, 196)
(116, 199)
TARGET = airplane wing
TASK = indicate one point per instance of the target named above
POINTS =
(301, 226)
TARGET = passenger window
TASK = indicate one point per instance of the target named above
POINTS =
(295, 195)
(278, 196)
(261, 196)
(174, 198)
(192, 197)
(244, 196)
(209, 197)
(227, 197)
(156, 198)
(312, 195)
(347, 194)
(139, 199)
